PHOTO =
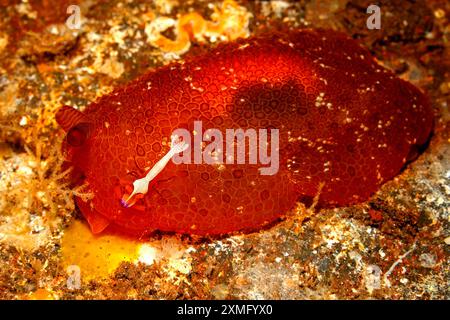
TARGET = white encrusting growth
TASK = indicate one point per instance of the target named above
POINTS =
(140, 186)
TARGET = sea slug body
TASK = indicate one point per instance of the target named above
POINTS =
(343, 121)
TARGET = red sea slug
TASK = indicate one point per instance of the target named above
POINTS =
(343, 122)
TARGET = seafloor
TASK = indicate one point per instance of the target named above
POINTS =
(394, 246)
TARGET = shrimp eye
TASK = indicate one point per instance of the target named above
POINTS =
(78, 134)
